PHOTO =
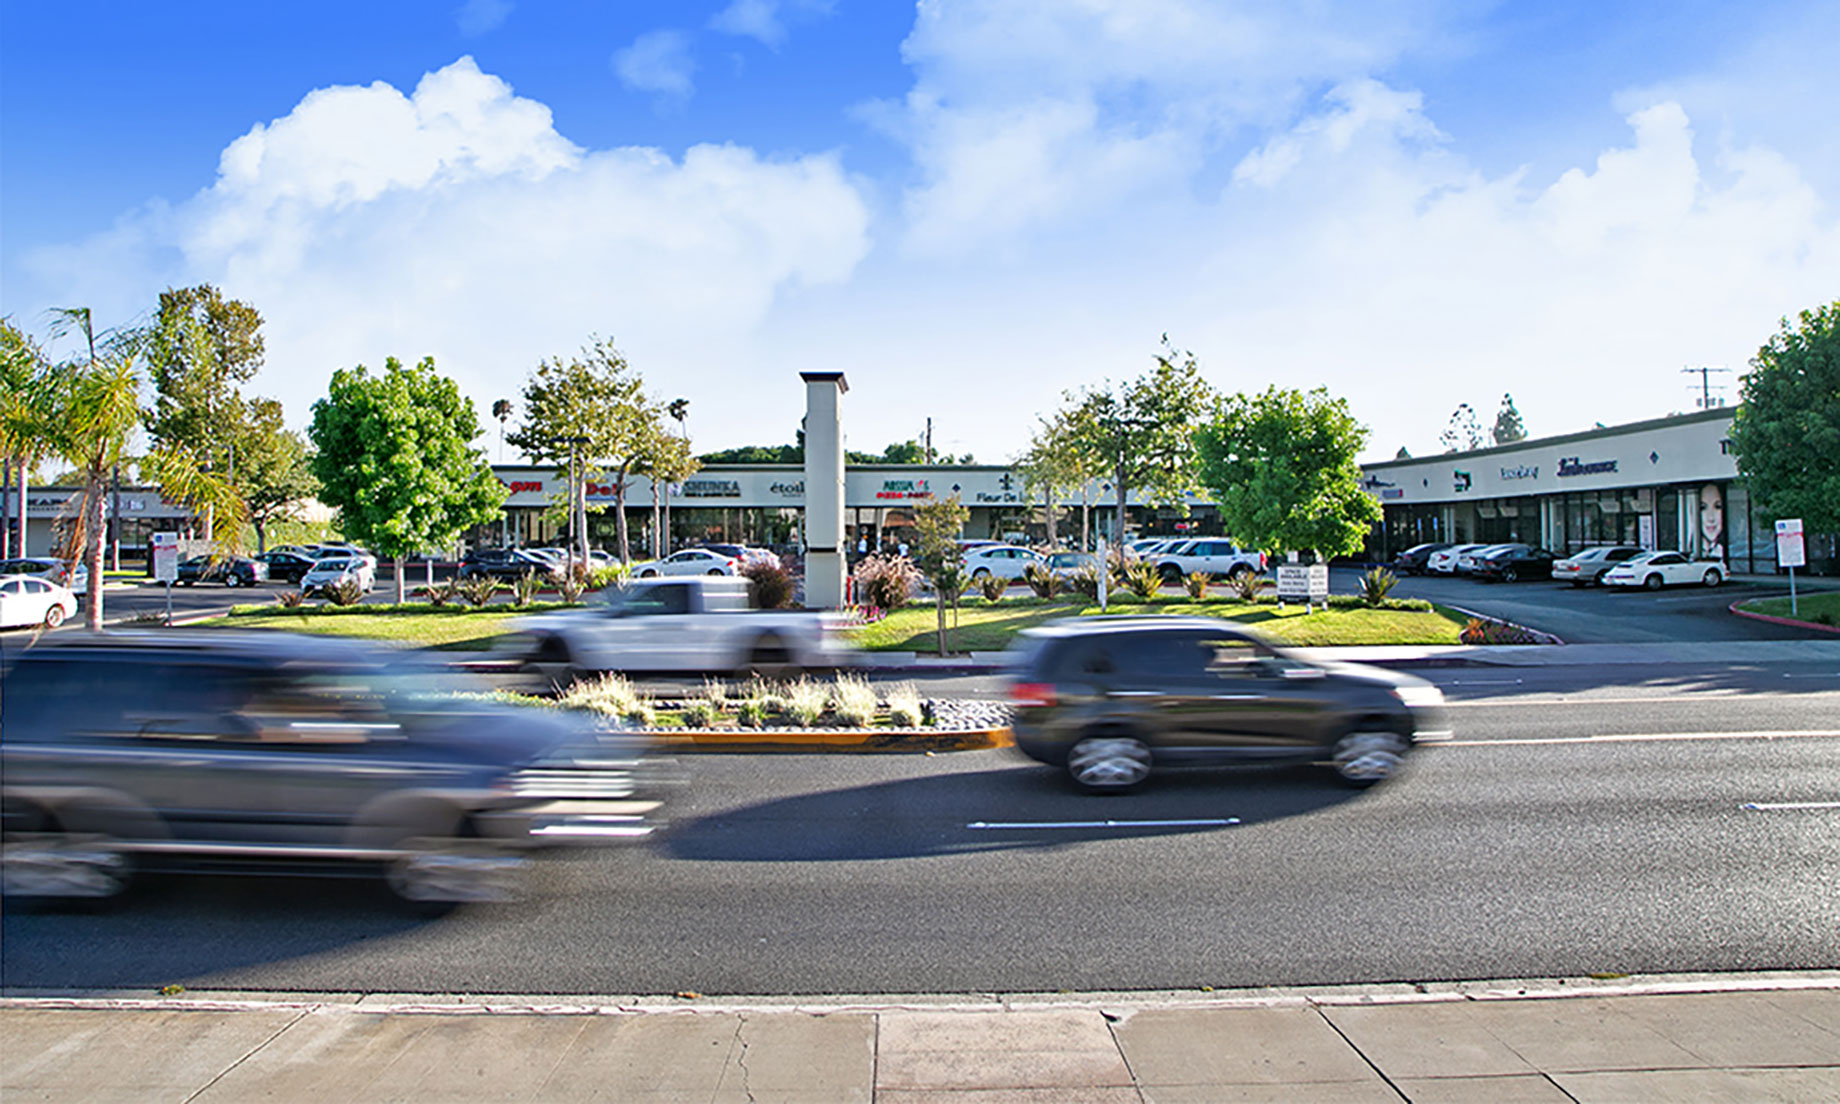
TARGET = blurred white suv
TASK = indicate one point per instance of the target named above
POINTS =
(1007, 561)
(1219, 557)
(332, 571)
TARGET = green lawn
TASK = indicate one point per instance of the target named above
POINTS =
(984, 627)
(449, 628)
(1822, 608)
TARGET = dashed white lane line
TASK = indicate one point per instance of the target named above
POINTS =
(1647, 737)
(1670, 699)
(1772, 806)
(992, 825)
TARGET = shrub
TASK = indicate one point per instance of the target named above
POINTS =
(805, 701)
(1375, 584)
(886, 582)
(1045, 583)
(346, 592)
(1085, 583)
(769, 583)
(767, 694)
(571, 582)
(993, 586)
(1142, 579)
(698, 713)
(715, 692)
(612, 695)
(289, 599)
(600, 578)
(478, 590)
(904, 709)
(951, 582)
(751, 714)
(1196, 583)
(524, 589)
(439, 594)
(1481, 631)
(1245, 585)
(855, 701)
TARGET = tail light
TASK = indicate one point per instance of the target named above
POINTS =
(1261, 561)
(1032, 693)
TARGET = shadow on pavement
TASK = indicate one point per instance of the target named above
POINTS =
(1000, 810)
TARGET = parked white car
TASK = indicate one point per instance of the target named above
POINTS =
(1064, 565)
(1655, 570)
(332, 571)
(1006, 561)
(691, 561)
(28, 600)
(1218, 557)
(1444, 562)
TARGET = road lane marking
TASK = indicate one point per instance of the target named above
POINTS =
(1768, 806)
(1484, 682)
(992, 825)
(1646, 737)
(1683, 699)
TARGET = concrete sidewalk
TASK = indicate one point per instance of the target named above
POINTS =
(1737, 1038)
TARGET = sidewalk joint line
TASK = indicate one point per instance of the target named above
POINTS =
(227, 1070)
(1323, 1014)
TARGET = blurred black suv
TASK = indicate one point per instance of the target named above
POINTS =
(1108, 699)
(270, 750)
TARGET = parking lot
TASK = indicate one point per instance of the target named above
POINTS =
(1607, 615)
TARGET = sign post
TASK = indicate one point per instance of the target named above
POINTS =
(166, 564)
(1105, 572)
(1791, 553)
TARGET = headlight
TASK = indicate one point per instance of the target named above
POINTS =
(1420, 696)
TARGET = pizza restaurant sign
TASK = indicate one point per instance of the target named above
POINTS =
(904, 488)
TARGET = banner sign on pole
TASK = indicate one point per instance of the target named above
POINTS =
(165, 557)
(1790, 549)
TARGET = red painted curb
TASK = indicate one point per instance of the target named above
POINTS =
(1733, 608)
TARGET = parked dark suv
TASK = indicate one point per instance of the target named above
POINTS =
(259, 750)
(1109, 699)
(505, 564)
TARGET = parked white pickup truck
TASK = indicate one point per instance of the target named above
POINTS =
(690, 623)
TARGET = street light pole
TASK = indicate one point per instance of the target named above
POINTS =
(578, 534)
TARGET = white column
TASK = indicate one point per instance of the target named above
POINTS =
(824, 551)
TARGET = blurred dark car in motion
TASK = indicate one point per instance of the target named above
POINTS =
(268, 751)
(232, 571)
(1110, 699)
(1514, 563)
(1414, 560)
(506, 564)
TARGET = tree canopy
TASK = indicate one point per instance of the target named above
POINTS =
(1787, 432)
(1281, 465)
(1508, 425)
(395, 458)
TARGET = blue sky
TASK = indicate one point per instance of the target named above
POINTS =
(968, 208)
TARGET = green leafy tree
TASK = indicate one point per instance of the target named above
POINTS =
(937, 554)
(395, 458)
(92, 409)
(274, 469)
(1139, 433)
(27, 383)
(1787, 432)
(1464, 433)
(1281, 465)
(758, 454)
(599, 398)
(1508, 425)
(1053, 463)
(664, 459)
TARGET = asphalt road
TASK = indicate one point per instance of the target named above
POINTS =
(1584, 820)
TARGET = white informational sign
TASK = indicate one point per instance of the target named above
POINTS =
(1298, 583)
(165, 557)
(1645, 531)
(1790, 550)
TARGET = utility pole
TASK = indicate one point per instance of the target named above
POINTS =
(1705, 385)
(929, 442)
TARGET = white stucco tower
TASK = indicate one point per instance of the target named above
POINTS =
(824, 550)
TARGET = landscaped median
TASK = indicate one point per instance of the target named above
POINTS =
(1819, 610)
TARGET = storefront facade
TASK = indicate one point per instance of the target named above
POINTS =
(51, 517)
(1671, 483)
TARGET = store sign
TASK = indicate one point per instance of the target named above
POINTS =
(519, 486)
(788, 490)
(1573, 466)
(986, 496)
(1523, 471)
(1393, 492)
(1459, 481)
(712, 488)
(904, 488)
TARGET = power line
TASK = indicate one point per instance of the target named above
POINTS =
(1705, 385)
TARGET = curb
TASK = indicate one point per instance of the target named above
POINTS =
(896, 741)
(1774, 620)
(1547, 638)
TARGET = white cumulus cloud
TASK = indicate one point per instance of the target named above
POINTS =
(657, 61)
(456, 222)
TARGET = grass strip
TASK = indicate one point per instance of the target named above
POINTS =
(1820, 608)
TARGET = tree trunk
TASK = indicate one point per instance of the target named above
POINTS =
(1086, 516)
(402, 574)
(1118, 533)
(939, 600)
(657, 540)
(619, 505)
(1047, 495)
(92, 551)
(24, 474)
(261, 527)
(664, 544)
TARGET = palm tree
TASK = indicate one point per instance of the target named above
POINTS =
(501, 409)
(94, 410)
(678, 409)
(25, 381)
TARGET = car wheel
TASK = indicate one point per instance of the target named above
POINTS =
(437, 872)
(54, 617)
(769, 658)
(648, 573)
(1509, 575)
(1598, 579)
(57, 865)
(1108, 763)
(233, 580)
(1240, 571)
(1713, 578)
(1653, 582)
(715, 571)
(1580, 583)
(980, 574)
(1364, 758)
